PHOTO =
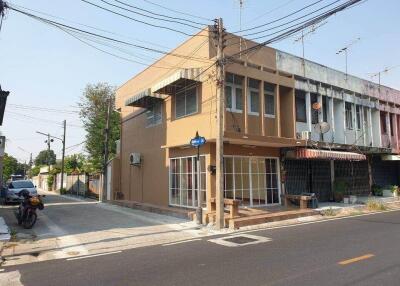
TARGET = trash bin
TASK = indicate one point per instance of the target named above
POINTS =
(313, 203)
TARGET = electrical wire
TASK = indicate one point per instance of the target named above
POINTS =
(270, 11)
(37, 108)
(149, 16)
(176, 11)
(92, 27)
(162, 15)
(57, 24)
(281, 18)
(136, 20)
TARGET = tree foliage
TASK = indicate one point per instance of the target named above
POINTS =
(93, 112)
(11, 166)
(43, 157)
(74, 164)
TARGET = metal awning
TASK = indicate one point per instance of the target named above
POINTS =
(390, 158)
(177, 80)
(144, 99)
(304, 153)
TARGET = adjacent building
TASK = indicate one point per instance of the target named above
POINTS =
(290, 126)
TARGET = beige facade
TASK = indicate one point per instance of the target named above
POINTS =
(164, 106)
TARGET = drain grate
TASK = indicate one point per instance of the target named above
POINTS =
(240, 239)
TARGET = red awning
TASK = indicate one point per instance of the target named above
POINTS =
(304, 153)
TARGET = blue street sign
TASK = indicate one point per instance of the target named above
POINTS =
(198, 141)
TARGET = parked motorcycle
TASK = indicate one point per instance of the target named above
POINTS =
(26, 212)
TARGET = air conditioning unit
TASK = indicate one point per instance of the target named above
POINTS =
(303, 135)
(135, 159)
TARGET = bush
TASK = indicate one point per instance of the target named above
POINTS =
(63, 191)
(394, 188)
(375, 205)
(377, 190)
(50, 182)
(329, 212)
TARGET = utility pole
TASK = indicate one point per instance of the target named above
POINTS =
(48, 151)
(220, 128)
(63, 155)
(106, 143)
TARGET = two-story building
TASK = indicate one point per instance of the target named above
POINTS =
(290, 126)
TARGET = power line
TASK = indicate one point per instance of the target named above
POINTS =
(30, 107)
(59, 25)
(281, 18)
(176, 11)
(149, 16)
(92, 27)
(136, 20)
(270, 11)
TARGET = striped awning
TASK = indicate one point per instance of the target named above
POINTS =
(144, 99)
(304, 153)
(177, 80)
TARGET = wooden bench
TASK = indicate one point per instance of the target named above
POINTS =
(231, 203)
(303, 200)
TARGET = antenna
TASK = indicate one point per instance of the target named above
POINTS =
(345, 50)
(240, 26)
(311, 31)
(379, 73)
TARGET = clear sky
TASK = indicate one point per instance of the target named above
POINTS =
(44, 67)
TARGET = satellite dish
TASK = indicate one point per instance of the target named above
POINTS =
(322, 127)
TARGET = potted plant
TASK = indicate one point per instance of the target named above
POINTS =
(377, 190)
(339, 190)
(395, 191)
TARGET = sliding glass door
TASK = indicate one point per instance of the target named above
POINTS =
(253, 180)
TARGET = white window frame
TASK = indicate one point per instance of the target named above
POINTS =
(233, 97)
(193, 180)
(267, 92)
(250, 89)
(250, 179)
(197, 102)
(150, 114)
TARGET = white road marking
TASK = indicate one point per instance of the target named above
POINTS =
(93, 255)
(2, 270)
(182, 241)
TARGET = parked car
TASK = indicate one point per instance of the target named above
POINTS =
(14, 187)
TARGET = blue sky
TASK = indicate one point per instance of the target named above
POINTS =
(45, 67)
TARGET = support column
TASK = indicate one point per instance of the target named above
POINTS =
(388, 129)
(372, 141)
(308, 111)
(344, 117)
(332, 165)
(245, 106)
(370, 182)
(332, 115)
(396, 140)
(278, 111)
(262, 115)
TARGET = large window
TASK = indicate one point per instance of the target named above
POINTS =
(253, 96)
(233, 92)
(325, 108)
(358, 116)
(314, 112)
(186, 102)
(154, 114)
(349, 115)
(183, 181)
(269, 99)
(383, 123)
(253, 180)
(301, 114)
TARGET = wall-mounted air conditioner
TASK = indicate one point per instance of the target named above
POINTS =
(135, 159)
(303, 135)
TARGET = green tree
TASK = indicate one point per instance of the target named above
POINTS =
(74, 163)
(43, 157)
(10, 166)
(93, 111)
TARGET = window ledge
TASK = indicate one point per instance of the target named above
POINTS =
(253, 113)
(269, 116)
(234, 110)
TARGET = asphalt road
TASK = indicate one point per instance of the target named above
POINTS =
(363, 250)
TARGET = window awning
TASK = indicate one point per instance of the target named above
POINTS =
(304, 153)
(390, 158)
(179, 79)
(144, 99)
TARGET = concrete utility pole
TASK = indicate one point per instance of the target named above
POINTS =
(63, 155)
(48, 151)
(220, 128)
(106, 143)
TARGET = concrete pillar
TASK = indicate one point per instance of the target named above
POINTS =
(396, 140)
(332, 164)
(344, 118)
(278, 111)
(262, 115)
(371, 135)
(332, 114)
(245, 105)
(308, 111)
(388, 129)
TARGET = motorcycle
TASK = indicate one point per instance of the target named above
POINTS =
(26, 212)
